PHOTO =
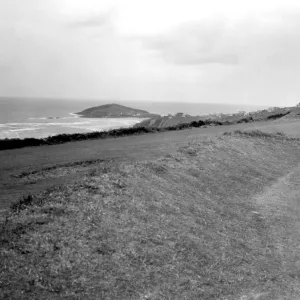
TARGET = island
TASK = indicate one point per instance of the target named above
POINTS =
(115, 111)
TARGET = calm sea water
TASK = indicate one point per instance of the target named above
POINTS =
(44, 117)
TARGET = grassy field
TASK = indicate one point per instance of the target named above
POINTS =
(13, 163)
(288, 127)
(60, 159)
(184, 215)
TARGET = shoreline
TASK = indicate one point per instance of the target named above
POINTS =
(44, 127)
(8, 144)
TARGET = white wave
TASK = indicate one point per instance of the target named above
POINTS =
(65, 124)
(13, 124)
(23, 129)
(21, 124)
(68, 118)
(41, 118)
(76, 125)
(74, 115)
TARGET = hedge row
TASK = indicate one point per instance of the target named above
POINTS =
(6, 144)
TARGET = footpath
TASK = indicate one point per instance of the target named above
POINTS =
(279, 207)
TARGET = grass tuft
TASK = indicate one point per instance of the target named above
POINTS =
(23, 203)
(258, 134)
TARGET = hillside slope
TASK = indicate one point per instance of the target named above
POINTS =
(185, 226)
(114, 111)
(167, 121)
(263, 115)
(294, 113)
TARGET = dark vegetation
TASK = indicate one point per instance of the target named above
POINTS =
(277, 116)
(260, 134)
(23, 203)
(185, 226)
(85, 163)
(65, 138)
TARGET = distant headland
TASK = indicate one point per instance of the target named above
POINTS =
(115, 111)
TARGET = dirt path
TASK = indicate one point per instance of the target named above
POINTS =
(279, 208)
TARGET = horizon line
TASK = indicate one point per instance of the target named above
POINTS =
(111, 99)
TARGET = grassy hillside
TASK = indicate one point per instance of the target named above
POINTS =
(240, 117)
(166, 121)
(283, 113)
(69, 161)
(185, 226)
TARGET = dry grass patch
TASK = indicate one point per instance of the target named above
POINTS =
(259, 134)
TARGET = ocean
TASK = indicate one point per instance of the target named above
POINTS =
(25, 117)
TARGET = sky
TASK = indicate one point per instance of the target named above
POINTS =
(217, 51)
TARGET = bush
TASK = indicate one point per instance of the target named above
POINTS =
(277, 116)
(23, 203)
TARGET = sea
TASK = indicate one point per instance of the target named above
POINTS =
(43, 117)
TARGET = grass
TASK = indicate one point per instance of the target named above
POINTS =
(59, 170)
(50, 165)
(288, 127)
(184, 226)
(259, 134)
(32, 170)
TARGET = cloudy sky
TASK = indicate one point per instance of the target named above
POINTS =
(222, 51)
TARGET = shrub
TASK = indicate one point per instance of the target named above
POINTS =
(23, 203)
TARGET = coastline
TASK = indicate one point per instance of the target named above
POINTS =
(43, 127)
(47, 132)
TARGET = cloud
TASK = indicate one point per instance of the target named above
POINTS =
(94, 24)
(83, 48)
(98, 20)
(195, 43)
(225, 59)
(268, 39)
